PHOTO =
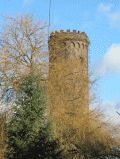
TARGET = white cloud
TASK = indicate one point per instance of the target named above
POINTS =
(114, 19)
(111, 61)
(28, 2)
(112, 15)
(115, 16)
(105, 8)
(109, 109)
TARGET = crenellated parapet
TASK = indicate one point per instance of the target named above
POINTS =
(68, 44)
(73, 35)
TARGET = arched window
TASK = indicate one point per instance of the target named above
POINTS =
(85, 46)
(78, 45)
(82, 45)
(81, 59)
(64, 43)
(72, 44)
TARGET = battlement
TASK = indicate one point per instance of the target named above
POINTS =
(73, 35)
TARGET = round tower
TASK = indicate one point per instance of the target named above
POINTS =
(68, 75)
(68, 44)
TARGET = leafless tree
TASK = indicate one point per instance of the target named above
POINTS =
(22, 49)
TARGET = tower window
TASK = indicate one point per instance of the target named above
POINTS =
(81, 59)
(83, 46)
(64, 43)
(78, 45)
(73, 44)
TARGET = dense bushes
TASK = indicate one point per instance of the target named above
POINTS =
(30, 134)
(28, 129)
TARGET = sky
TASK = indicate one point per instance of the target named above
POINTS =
(100, 19)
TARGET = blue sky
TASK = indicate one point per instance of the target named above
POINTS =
(100, 19)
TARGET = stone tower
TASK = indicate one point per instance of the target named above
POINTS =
(68, 76)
